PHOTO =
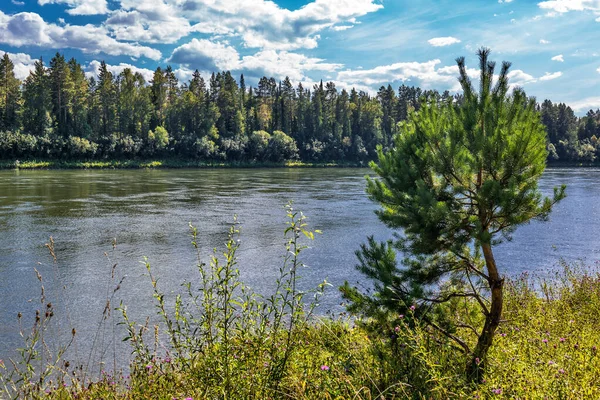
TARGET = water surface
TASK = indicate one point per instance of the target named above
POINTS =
(147, 212)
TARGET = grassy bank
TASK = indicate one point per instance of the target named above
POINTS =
(218, 339)
(166, 163)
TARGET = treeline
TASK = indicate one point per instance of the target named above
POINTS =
(58, 112)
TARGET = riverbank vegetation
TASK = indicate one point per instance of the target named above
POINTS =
(58, 113)
(218, 339)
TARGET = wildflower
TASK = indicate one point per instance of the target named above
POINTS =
(497, 391)
(412, 308)
(167, 360)
(561, 371)
(324, 368)
(148, 367)
(503, 334)
(397, 329)
(576, 346)
(551, 362)
(544, 340)
(562, 339)
(477, 361)
(189, 398)
(401, 316)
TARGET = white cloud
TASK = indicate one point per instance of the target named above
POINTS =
(263, 24)
(29, 29)
(518, 77)
(598, 70)
(443, 41)
(205, 55)
(93, 69)
(80, 7)
(586, 104)
(17, 3)
(282, 64)
(426, 73)
(550, 76)
(209, 56)
(563, 6)
(23, 64)
(151, 21)
(558, 58)
(543, 41)
(342, 27)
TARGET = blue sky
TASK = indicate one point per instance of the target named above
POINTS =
(554, 45)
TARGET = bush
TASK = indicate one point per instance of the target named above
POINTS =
(281, 147)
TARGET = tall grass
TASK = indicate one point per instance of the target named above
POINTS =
(219, 339)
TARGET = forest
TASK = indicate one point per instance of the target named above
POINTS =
(58, 112)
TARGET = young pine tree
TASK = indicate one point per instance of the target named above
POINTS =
(459, 179)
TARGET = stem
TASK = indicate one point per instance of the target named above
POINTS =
(476, 366)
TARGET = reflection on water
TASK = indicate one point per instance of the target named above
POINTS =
(148, 212)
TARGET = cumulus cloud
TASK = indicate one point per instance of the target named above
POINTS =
(80, 7)
(558, 58)
(263, 24)
(17, 3)
(544, 41)
(23, 63)
(563, 6)
(519, 78)
(29, 29)
(93, 70)
(586, 104)
(282, 64)
(151, 21)
(550, 76)
(443, 41)
(206, 55)
(426, 73)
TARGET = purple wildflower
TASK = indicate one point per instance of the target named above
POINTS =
(562, 339)
(324, 368)
(544, 340)
(412, 308)
(497, 391)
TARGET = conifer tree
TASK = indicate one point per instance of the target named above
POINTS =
(10, 95)
(459, 179)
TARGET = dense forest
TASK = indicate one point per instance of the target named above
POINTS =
(58, 112)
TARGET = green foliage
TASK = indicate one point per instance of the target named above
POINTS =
(258, 144)
(281, 147)
(218, 339)
(459, 179)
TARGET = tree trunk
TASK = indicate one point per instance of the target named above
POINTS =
(476, 366)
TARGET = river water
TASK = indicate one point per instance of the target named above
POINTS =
(147, 212)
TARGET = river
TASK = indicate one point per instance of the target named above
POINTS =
(147, 212)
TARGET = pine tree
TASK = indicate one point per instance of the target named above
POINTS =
(10, 95)
(37, 101)
(459, 179)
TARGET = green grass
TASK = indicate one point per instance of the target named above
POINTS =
(218, 339)
(165, 163)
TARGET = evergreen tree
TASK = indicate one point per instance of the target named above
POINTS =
(10, 95)
(459, 179)
(37, 101)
